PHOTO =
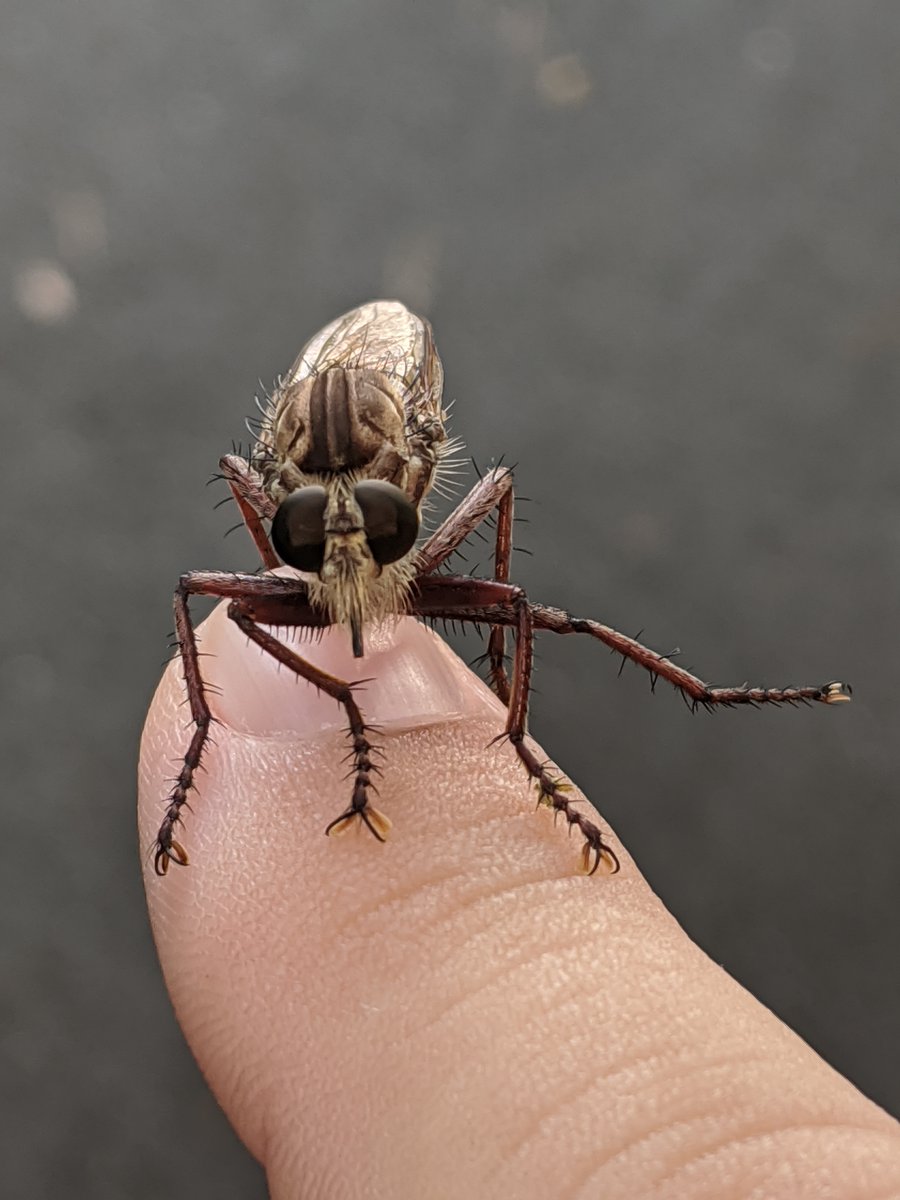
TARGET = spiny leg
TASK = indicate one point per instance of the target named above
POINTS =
(502, 554)
(490, 602)
(243, 613)
(168, 849)
(493, 490)
(203, 583)
(696, 693)
(485, 601)
(466, 517)
(551, 791)
(247, 489)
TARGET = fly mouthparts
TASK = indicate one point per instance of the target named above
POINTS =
(356, 634)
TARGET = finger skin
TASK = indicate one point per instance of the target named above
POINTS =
(458, 1013)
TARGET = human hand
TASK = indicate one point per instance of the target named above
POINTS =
(457, 1013)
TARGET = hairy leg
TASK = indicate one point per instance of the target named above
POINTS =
(204, 583)
(493, 490)
(694, 690)
(552, 791)
(245, 617)
(461, 598)
(484, 497)
(490, 602)
(255, 506)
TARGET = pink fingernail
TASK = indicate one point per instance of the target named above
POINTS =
(413, 679)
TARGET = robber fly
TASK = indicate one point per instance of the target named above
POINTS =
(349, 446)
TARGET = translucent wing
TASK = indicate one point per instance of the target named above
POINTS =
(385, 336)
(391, 353)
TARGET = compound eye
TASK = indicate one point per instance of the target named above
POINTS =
(298, 529)
(391, 520)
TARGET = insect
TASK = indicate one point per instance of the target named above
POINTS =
(349, 445)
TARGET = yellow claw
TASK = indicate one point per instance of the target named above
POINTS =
(588, 860)
(342, 824)
(609, 860)
(180, 856)
(837, 693)
(377, 822)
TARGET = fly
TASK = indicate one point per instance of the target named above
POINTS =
(349, 446)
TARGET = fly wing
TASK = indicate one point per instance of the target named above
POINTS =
(384, 336)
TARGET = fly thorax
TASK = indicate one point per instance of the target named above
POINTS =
(339, 421)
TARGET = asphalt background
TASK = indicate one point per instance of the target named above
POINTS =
(658, 241)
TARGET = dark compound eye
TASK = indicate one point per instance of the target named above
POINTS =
(298, 529)
(391, 520)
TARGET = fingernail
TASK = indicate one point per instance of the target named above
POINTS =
(412, 679)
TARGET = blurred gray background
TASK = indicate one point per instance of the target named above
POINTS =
(658, 240)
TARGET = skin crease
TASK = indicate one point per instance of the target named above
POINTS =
(457, 1013)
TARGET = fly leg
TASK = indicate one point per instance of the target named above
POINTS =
(255, 506)
(245, 614)
(493, 490)
(460, 598)
(552, 791)
(502, 553)
(490, 602)
(696, 693)
(484, 497)
(203, 583)
(168, 849)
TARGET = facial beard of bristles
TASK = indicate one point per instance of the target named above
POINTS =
(354, 591)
